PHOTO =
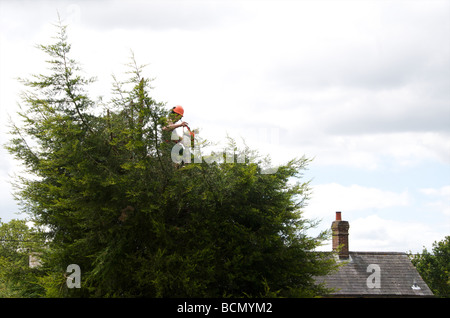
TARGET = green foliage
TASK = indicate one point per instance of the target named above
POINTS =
(138, 225)
(434, 267)
(17, 242)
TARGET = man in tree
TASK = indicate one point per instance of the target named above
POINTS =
(113, 202)
(174, 116)
(170, 134)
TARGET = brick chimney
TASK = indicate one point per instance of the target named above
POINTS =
(340, 236)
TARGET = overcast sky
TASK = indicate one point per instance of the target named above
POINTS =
(361, 86)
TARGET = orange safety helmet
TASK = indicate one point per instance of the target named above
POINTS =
(178, 110)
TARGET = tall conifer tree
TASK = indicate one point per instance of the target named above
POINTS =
(112, 201)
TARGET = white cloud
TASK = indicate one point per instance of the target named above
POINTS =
(443, 191)
(8, 205)
(373, 233)
(328, 198)
(440, 200)
(367, 151)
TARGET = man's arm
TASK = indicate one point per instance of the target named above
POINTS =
(171, 126)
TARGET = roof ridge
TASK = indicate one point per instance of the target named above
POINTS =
(378, 252)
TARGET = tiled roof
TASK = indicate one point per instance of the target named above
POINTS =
(376, 274)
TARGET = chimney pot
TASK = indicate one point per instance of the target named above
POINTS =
(340, 236)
